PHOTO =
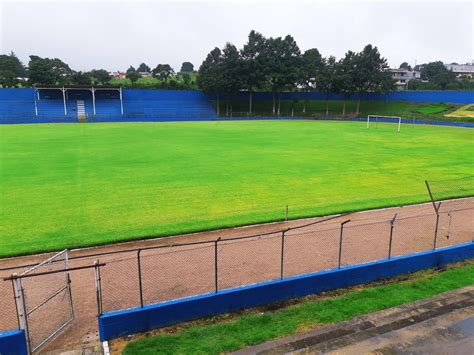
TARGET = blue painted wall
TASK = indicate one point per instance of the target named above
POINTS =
(17, 105)
(459, 97)
(13, 342)
(135, 320)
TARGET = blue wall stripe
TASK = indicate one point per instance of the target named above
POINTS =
(135, 320)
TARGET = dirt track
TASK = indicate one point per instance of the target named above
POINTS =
(174, 272)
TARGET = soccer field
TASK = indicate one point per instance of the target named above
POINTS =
(71, 185)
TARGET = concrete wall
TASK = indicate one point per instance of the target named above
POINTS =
(135, 320)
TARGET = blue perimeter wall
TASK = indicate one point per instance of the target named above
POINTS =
(135, 320)
(460, 97)
(457, 97)
(13, 342)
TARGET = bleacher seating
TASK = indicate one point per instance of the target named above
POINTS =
(17, 106)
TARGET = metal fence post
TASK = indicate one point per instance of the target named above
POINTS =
(98, 287)
(282, 253)
(436, 226)
(216, 278)
(392, 225)
(140, 276)
(286, 213)
(340, 243)
(19, 304)
(25, 313)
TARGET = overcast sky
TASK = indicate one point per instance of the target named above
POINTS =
(115, 34)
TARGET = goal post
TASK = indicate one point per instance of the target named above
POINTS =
(397, 119)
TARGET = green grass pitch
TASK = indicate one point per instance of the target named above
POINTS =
(72, 185)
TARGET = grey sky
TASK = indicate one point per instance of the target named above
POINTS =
(115, 34)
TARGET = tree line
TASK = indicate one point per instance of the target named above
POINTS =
(54, 71)
(262, 64)
(278, 65)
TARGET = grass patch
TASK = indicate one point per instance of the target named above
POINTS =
(250, 329)
(433, 109)
(75, 185)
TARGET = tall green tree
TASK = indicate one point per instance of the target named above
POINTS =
(311, 68)
(132, 74)
(163, 72)
(253, 64)
(282, 62)
(48, 71)
(211, 78)
(366, 71)
(11, 69)
(187, 67)
(231, 72)
(142, 68)
(328, 79)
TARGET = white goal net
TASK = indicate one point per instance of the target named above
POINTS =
(374, 119)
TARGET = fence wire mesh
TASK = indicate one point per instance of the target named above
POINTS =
(413, 234)
(40, 326)
(455, 227)
(249, 261)
(8, 318)
(365, 242)
(119, 282)
(178, 272)
(44, 285)
(310, 250)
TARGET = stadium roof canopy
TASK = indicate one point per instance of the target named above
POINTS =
(65, 89)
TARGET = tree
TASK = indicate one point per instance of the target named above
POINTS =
(186, 79)
(405, 66)
(364, 72)
(11, 69)
(48, 71)
(231, 71)
(81, 78)
(327, 80)
(142, 68)
(210, 79)
(282, 59)
(99, 76)
(132, 74)
(311, 68)
(187, 67)
(163, 72)
(438, 74)
(253, 64)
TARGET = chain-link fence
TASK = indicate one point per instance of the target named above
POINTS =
(158, 274)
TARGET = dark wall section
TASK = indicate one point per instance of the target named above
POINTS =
(135, 320)
(13, 342)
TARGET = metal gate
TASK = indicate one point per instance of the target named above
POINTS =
(44, 300)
